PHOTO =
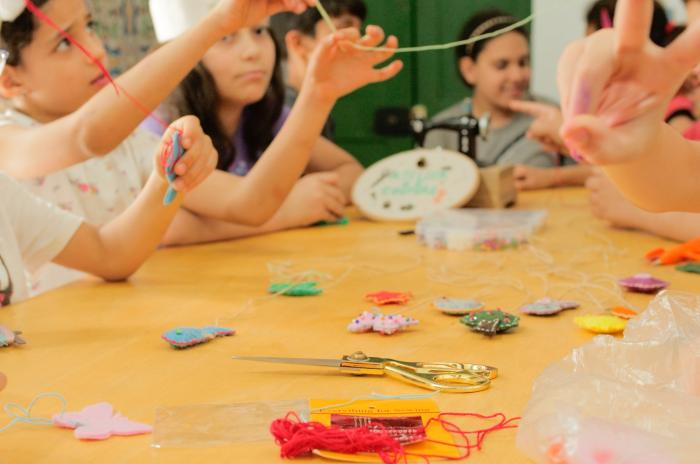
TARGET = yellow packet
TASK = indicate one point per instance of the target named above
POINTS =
(426, 409)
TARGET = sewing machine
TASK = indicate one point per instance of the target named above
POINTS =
(497, 187)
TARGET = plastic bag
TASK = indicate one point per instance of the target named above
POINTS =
(206, 425)
(631, 401)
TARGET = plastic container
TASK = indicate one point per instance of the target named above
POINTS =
(479, 229)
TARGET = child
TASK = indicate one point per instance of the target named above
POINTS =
(305, 33)
(498, 70)
(237, 91)
(32, 232)
(615, 87)
(63, 115)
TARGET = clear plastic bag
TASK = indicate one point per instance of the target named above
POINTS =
(631, 401)
(208, 425)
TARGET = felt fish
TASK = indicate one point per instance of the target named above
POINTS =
(184, 337)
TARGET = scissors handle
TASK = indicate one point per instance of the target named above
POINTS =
(444, 380)
(446, 377)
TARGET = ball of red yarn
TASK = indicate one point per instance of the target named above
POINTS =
(297, 438)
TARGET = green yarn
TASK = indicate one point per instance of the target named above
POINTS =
(427, 48)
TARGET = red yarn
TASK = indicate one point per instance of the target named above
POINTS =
(297, 438)
(36, 11)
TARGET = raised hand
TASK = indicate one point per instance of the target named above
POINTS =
(615, 86)
(338, 68)
(237, 14)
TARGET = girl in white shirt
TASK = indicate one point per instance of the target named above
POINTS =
(33, 232)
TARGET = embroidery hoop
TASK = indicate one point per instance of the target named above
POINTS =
(411, 184)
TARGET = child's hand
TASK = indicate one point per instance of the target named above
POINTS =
(546, 125)
(337, 68)
(199, 159)
(533, 178)
(616, 84)
(315, 197)
(608, 203)
(237, 14)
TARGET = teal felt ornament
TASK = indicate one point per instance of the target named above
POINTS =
(692, 268)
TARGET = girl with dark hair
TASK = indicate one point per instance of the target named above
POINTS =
(237, 92)
(498, 72)
(72, 140)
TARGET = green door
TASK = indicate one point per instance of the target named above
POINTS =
(428, 78)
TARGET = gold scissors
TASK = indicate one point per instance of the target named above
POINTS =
(446, 377)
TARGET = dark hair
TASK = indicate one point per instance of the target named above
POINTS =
(17, 34)
(306, 22)
(659, 22)
(198, 96)
(478, 21)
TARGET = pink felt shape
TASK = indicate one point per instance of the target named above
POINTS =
(99, 422)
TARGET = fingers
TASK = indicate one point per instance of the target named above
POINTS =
(684, 51)
(584, 135)
(387, 72)
(566, 70)
(534, 109)
(632, 25)
(203, 158)
(593, 71)
(334, 201)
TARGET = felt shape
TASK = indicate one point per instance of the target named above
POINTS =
(300, 289)
(457, 306)
(643, 283)
(601, 323)
(548, 307)
(99, 422)
(388, 298)
(693, 268)
(9, 337)
(490, 322)
(184, 337)
(688, 251)
(172, 153)
(622, 312)
(378, 322)
(340, 222)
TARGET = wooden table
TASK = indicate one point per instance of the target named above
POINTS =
(96, 342)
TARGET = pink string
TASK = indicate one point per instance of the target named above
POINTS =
(36, 11)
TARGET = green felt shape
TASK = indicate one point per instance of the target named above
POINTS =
(300, 289)
(693, 268)
(490, 322)
(340, 222)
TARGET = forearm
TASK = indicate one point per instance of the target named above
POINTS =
(348, 174)
(189, 229)
(229, 198)
(117, 249)
(665, 177)
(108, 118)
(674, 226)
(572, 176)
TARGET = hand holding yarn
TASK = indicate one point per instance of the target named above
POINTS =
(237, 14)
(338, 68)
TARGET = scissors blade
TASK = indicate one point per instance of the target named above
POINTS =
(303, 361)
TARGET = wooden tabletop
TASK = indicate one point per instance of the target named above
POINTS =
(94, 342)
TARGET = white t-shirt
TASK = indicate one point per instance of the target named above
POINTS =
(97, 190)
(32, 233)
